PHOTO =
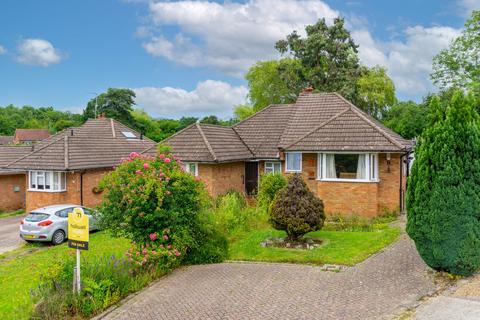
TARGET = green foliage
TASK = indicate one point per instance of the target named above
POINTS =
(148, 126)
(444, 188)
(458, 65)
(12, 117)
(375, 91)
(407, 118)
(328, 54)
(242, 111)
(116, 103)
(297, 210)
(270, 185)
(146, 195)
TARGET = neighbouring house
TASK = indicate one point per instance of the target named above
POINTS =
(66, 167)
(12, 182)
(30, 136)
(354, 163)
(6, 140)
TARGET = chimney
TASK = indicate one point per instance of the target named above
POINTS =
(308, 89)
(101, 115)
(141, 135)
(71, 132)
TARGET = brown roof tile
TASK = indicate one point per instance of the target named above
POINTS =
(99, 143)
(316, 122)
(6, 140)
(22, 135)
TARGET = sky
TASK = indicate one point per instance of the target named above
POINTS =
(189, 58)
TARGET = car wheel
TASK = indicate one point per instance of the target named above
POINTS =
(58, 237)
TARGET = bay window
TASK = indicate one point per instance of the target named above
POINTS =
(273, 167)
(47, 181)
(347, 167)
(293, 162)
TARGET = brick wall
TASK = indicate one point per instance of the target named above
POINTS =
(222, 177)
(389, 186)
(9, 198)
(72, 195)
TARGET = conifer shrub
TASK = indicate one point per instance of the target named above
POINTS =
(296, 209)
(443, 196)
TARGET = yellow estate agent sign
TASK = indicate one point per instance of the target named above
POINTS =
(78, 229)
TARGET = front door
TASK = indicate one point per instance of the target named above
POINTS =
(251, 178)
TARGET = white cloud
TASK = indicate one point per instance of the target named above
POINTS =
(209, 97)
(38, 52)
(467, 6)
(230, 36)
(409, 61)
(2, 50)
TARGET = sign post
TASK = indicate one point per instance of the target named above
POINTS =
(78, 237)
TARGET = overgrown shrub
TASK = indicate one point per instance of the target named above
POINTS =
(147, 195)
(270, 184)
(443, 196)
(296, 209)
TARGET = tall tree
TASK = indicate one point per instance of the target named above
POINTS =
(443, 195)
(459, 65)
(408, 118)
(328, 54)
(375, 91)
(115, 103)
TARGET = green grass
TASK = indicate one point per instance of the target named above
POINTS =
(11, 214)
(340, 247)
(21, 270)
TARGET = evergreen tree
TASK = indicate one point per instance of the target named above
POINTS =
(443, 197)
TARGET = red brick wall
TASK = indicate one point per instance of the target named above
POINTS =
(72, 195)
(10, 199)
(222, 177)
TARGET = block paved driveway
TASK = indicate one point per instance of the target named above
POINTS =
(374, 289)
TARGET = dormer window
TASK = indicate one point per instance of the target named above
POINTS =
(128, 135)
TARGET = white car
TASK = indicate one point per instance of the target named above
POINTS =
(49, 224)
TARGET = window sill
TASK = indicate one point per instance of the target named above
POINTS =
(47, 191)
(293, 171)
(349, 180)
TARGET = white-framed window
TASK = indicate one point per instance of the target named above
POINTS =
(355, 167)
(191, 167)
(273, 167)
(293, 162)
(47, 181)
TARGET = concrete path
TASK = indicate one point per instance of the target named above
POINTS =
(379, 287)
(9, 233)
(462, 302)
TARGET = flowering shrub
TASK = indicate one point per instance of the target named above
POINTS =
(145, 195)
(154, 202)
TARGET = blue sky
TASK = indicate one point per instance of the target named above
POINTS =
(189, 58)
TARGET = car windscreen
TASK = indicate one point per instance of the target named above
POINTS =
(36, 217)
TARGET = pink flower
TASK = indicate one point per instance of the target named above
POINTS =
(144, 251)
(134, 155)
(167, 160)
(165, 237)
(169, 246)
(153, 236)
(170, 253)
(138, 172)
(161, 156)
(146, 166)
(176, 252)
(161, 246)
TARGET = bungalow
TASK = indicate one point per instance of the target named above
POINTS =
(12, 182)
(352, 162)
(66, 167)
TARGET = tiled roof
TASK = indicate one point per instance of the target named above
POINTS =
(208, 143)
(6, 140)
(31, 134)
(316, 122)
(99, 143)
(9, 154)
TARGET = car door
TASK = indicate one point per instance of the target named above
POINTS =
(63, 215)
(92, 222)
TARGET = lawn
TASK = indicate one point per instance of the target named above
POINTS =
(21, 270)
(340, 247)
(11, 214)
